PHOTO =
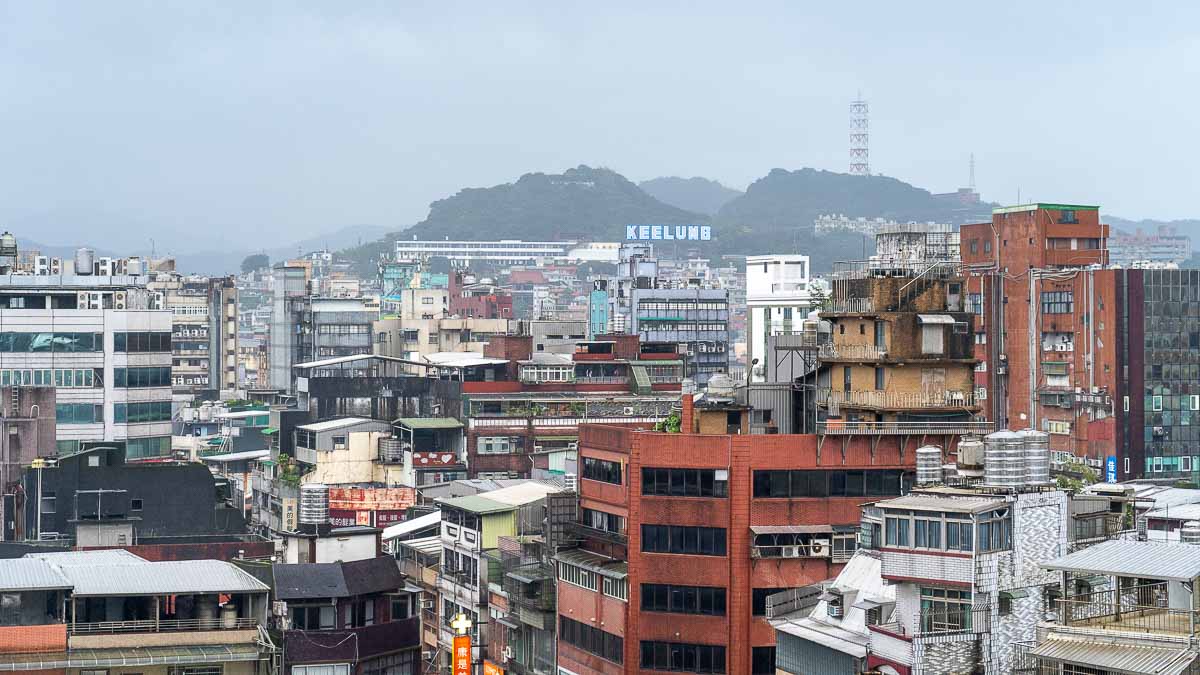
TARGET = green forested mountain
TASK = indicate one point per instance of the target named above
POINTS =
(700, 195)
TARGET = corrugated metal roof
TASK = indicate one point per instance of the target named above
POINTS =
(614, 569)
(160, 578)
(522, 493)
(1151, 560)
(238, 456)
(932, 503)
(428, 520)
(30, 574)
(1123, 658)
(106, 556)
(425, 545)
(131, 656)
(475, 504)
(1177, 512)
(790, 529)
(336, 424)
(429, 422)
(935, 318)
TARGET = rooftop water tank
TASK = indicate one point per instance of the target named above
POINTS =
(1190, 532)
(314, 504)
(85, 259)
(970, 457)
(391, 450)
(929, 465)
(1004, 459)
(1037, 456)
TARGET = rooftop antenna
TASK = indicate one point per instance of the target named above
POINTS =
(859, 137)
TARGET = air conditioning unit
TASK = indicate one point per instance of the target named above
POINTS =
(279, 608)
(119, 299)
(834, 609)
(789, 552)
(426, 603)
(83, 299)
(1001, 370)
(1004, 357)
(627, 410)
(819, 548)
(508, 653)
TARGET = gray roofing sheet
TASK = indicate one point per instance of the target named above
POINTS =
(131, 656)
(104, 556)
(1122, 658)
(943, 503)
(160, 578)
(30, 574)
(1152, 560)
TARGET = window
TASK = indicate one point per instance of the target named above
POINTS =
(151, 446)
(600, 520)
(1067, 216)
(80, 413)
(1058, 302)
(896, 531)
(806, 483)
(324, 669)
(141, 377)
(1056, 427)
(339, 442)
(591, 640)
(577, 576)
(311, 617)
(708, 600)
(602, 470)
(141, 342)
(994, 532)
(974, 246)
(758, 599)
(496, 445)
(135, 505)
(136, 413)
(51, 342)
(197, 670)
(685, 482)
(677, 656)
(683, 540)
(878, 379)
(945, 609)
(615, 588)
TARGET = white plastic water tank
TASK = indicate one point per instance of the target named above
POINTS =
(970, 457)
(314, 504)
(391, 450)
(1190, 532)
(929, 465)
(85, 259)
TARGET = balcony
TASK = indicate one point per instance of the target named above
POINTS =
(353, 645)
(832, 352)
(162, 626)
(844, 428)
(582, 531)
(896, 400)
(970, 621)
(1137, 609)
(849, 306)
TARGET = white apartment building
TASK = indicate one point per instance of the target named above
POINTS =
(503, 252)
(777, 298)
(104, 344)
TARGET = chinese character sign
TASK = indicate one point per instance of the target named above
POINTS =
(1110, 469)
(462, 655)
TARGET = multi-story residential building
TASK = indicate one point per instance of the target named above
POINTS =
(26, 434)
(523, 407)
(307, 328)
(901, 356)
(503, 252)
(471, 526)
(104, 344)
(777, 298)
(83, 611)
(96, 498)
(1119, 607)
(684, 535)
(348, 617)
(1163, 246)
(204, 319)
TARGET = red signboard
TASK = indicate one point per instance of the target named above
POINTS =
(462, 655)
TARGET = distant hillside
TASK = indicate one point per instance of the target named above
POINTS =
(583, 203)
(776, 214)
(1188, 226)
(699, 195)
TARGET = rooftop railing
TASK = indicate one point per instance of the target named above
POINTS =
(161, 626)
(845, 428)
(1143, 609)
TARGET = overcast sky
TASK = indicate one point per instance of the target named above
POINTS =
(200, 122)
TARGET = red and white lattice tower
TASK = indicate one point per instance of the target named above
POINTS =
(860, 164)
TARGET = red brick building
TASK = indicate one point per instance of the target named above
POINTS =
(1047, 329)
(683, 536)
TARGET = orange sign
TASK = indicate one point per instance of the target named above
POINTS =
(462, 655)
(490, 668)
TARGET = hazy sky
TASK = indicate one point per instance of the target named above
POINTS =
(201, 123)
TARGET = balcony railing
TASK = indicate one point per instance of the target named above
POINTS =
(844, 428)
(896, 400)
(1142, 609)
(855, 352)
(584, 532)
(849, 306)
(954, 621)
(161, 626)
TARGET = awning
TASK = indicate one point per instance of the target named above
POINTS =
(270, 430)
(216, 441)
(429, 422)
(131, 657)
(1122, 658)
(505, 621)
(790, 529)
(866, 604)
(1015, 593)
(935, 319)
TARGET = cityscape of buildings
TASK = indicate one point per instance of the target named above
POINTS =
(973, 450)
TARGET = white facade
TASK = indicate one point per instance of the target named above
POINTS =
(79, 352)
(778, 298)
(463, 253)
